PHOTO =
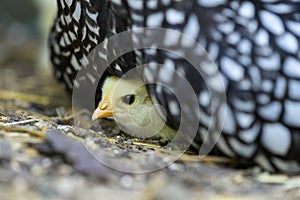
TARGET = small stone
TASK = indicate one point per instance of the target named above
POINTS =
(5, 150)
(176, 167)
(129, 142)
(127, 181)
(46, 162)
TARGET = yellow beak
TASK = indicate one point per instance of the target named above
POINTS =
(103, 110)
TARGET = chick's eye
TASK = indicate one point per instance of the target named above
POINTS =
(128, 99)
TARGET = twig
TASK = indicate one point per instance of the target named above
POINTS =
(21, 122)
(41, 133)
(148, 145)
(10, 95)
(208, 159)
(3, 115)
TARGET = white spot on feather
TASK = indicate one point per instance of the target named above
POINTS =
(204, 98)
(67, 80)
(92, 28)
(271, 22)
(249, 135)
(229, 120)
(226, 27)
(68, 19)
(136, 4)
(69, 2)
(137, 17)
(270, 111)
(173, 107)
(276, 138)
(174, 17)
(234, 38)
(155, 19)
(261, 37)
(284, 165)
(75, 63)
(281, 8)
(72, 36)
(66, 38)
(293, 27)
(62, 42)
(213, 51)
(244, 46)
(263, 162)
(294, 89)
(288, 43)
(211, 3)
(148, 74)
(165, 74)
(118, 2)
(232, 69)
(242, 149)
(280, 87)
(192, 27)
(77, 12)
(244, 119)
(247, 9)
(69, 71)
(152, 4)
(91, 15)
(291, 115)
(269, 63)
(224, 147)
(171, 38)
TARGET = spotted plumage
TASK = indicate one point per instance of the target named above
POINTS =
(255, 44)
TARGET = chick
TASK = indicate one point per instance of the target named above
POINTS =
(128, 103)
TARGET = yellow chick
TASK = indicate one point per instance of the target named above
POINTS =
(128, 103)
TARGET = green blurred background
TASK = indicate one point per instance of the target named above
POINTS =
(24, 27)
(25, 66)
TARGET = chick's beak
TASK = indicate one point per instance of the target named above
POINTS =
(104, 110)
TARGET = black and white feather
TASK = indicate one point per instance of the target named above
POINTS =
(255, 44)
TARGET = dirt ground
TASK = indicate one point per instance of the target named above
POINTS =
(43, 155)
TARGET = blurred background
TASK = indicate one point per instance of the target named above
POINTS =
(24, 27)
(25, 66)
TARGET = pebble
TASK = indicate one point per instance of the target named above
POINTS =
(176, 167)
(5, 150)
(127, 181)
(129, 142)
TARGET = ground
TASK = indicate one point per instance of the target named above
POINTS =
(43, 155)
